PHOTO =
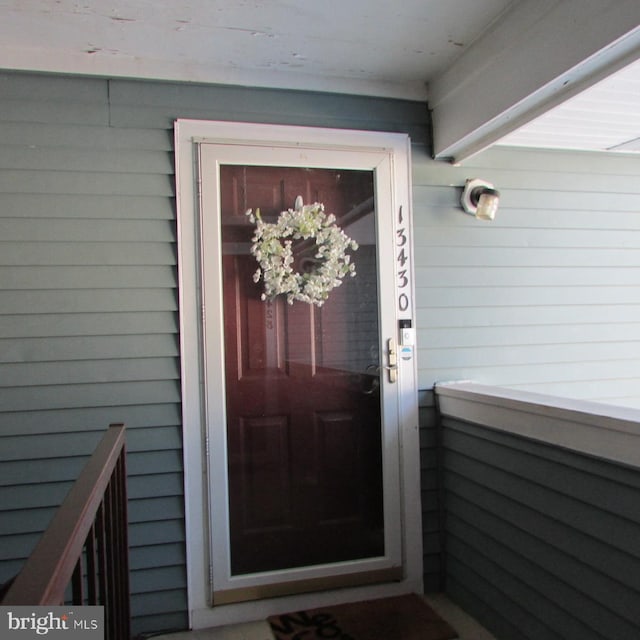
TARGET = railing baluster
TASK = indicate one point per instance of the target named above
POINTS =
(121, 555)
(102, 565)
(77, 587)
(92, 570)
(109, 539)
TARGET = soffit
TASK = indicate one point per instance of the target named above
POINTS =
(605, 117)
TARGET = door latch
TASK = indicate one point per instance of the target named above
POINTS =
(392, 359)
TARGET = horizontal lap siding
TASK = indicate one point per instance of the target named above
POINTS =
(88, 321)
(432, 547)
(544, 298)
(89, 302)
(541, 543)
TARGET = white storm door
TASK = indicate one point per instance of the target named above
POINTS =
(304, 406)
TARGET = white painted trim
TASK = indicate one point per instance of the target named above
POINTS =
(595, 429)
(320, 154)
(188, 297)
(133, 67)
(187, 134)
(537, 55)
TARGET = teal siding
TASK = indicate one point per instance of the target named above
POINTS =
(431, 494)
(545, 298)
(88, 297)
(88, 318)
(541, 543)
(157, 105)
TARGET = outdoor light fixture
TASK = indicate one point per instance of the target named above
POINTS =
(480, 199)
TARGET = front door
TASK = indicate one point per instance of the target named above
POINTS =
(302, 392)
(302, 399)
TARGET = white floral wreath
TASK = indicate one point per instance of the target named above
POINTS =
(272, 248)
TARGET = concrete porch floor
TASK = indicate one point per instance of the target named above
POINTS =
(465, 625)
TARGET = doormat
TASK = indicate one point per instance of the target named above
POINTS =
(398, 618)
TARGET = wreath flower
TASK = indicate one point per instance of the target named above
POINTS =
(272, 248)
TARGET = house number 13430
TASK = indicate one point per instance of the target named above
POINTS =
(403, 263)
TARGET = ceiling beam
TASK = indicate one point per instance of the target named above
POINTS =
(536, 55)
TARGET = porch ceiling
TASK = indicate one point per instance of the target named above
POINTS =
(605, 117)
(369, 47)
(357, 46)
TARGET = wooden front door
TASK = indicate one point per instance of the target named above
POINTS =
(302, 385)
(301, 422)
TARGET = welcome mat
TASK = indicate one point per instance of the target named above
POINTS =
(399, 618)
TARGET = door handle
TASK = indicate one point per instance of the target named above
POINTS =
(392, 359)
(371, 380)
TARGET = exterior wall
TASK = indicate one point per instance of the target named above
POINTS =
(88, 310)
(544, 298)
(431, 494)
(542, 541)
(89, 301)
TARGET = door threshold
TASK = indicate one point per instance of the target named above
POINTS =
(260, 592)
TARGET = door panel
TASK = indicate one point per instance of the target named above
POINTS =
(303, 411)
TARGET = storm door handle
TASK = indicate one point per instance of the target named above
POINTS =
(392, 359)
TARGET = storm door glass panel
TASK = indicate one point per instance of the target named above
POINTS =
(302, 382)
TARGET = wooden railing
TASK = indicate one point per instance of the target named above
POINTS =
(82, 557)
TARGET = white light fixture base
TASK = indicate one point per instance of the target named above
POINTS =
(469, 203)
(479, 198)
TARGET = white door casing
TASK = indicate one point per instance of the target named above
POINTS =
(202, 372)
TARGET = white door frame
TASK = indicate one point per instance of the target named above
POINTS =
(188, 133)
